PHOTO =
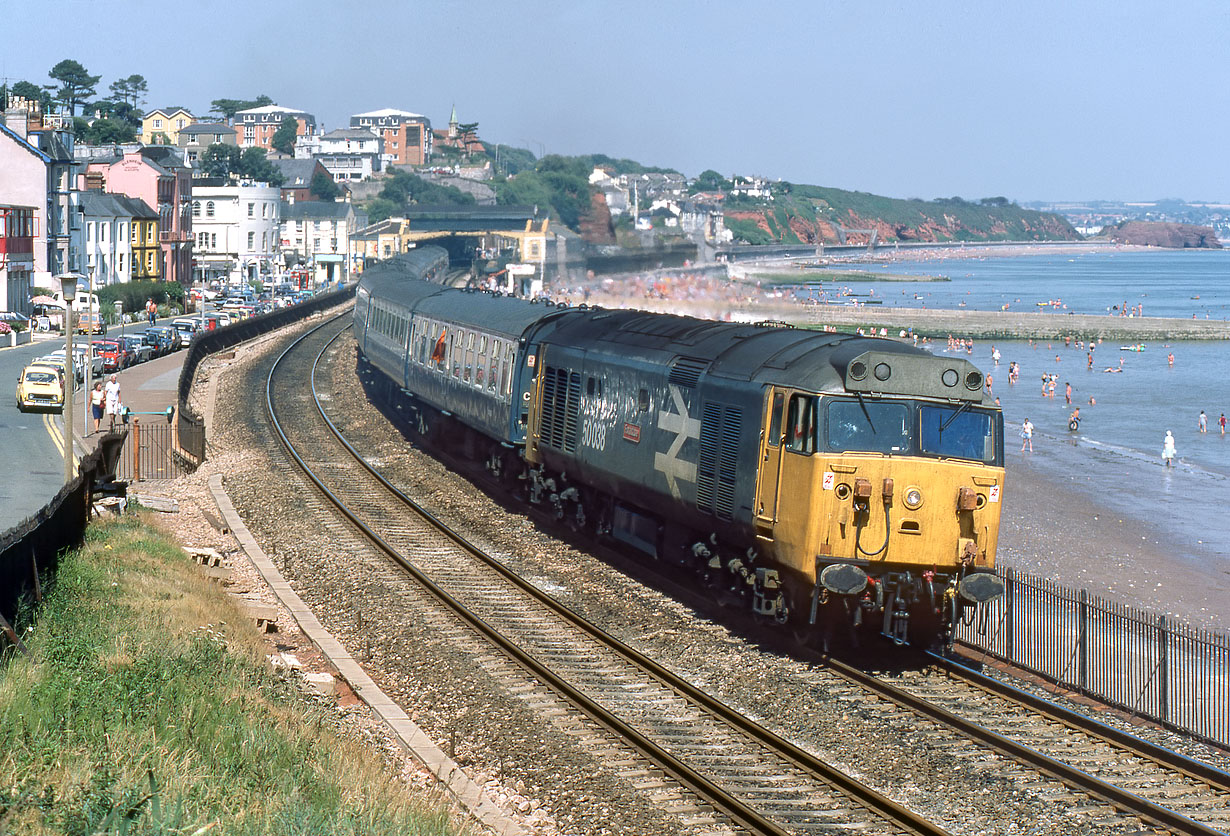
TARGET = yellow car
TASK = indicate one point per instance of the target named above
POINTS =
(40, 387)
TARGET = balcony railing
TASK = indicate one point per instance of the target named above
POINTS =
(173, 237)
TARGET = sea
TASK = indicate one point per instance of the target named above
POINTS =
(1124, 415)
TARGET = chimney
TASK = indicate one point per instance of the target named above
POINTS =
(17, 120)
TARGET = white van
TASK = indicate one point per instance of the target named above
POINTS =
(82, 303)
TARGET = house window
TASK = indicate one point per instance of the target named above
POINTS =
(251, 241)
(196, 208)
(89, 231)
(209, 209)
(264, 206)
(251, 210)
(213, 240)
(119, 263)
(249, 133)
(264, 241)
(316, 243)
(157, 124)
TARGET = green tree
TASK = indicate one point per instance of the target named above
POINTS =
(220, 160)
(254, 164)
(284, 137)
(323, 187)
(76, 84)
(467, 132)
(103, 131)
(227, 108)
(382, 208)
(710, 181)
(31, 92)
(129, 90)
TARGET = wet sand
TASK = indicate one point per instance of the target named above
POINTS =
(1060, 531)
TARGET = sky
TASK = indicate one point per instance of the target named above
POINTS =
(1041, 100)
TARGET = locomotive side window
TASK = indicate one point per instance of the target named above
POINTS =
(642, 400)
(867, 425)
(801, 424)
(775, 419)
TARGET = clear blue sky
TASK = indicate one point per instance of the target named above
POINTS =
(1039, 100)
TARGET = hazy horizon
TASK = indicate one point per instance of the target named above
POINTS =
(1046, 102)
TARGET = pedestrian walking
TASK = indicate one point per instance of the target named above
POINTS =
(151, 310)
(113, 399)
(1027, 436)
(1168, 451)
(97, 398)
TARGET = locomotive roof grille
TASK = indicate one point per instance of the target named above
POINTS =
(891, 373)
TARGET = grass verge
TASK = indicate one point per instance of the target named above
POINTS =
(149, 707)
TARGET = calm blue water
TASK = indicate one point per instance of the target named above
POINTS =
(1117, 451)
(1091, 283)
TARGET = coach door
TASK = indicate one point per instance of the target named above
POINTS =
(769, 477)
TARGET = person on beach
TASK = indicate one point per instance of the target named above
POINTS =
(1204, 422)
(995, 355)
(1168, 451)
(990, 380)
(1221, 422)
(1027, 436)
(1170, 360)
(1090, 360)
(1074, 420)
(1067, 393)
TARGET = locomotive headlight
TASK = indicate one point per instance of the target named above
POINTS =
(913, 498)
(950, 377)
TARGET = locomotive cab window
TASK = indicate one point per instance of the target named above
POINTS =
(642, 400)
(801, 424)
(957, 433)
(868, 426)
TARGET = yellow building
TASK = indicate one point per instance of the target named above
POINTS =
(159, 127)
(146, 252)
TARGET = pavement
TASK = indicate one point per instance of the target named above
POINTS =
(32, 443)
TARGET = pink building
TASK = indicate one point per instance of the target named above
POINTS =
(23, 219)
(158, 176)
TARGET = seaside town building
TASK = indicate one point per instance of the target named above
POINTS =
(407, 136)
(236, 229)
(257, 125)
(162, 127)
(198, 136)
(350, 154)
(297, 175)
(316, 235)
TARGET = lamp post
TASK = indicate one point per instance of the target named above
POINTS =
(89, 358)
(68, 286)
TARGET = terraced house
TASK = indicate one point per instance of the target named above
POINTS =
(162, 127)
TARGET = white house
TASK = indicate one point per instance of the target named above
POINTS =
(236, 231)
(108, 237)
(350, 153)
(317, 233)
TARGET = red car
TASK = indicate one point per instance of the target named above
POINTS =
(115, 357)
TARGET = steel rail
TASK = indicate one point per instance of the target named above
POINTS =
(705, 789)
(1065, 773)
(1160, 755)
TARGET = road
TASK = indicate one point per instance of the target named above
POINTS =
(31, 443)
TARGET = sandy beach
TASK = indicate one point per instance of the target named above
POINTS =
(1060, 531)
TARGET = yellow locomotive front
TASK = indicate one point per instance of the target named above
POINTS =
(883, 500)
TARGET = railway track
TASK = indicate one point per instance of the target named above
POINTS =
(673, 727)
(757, 781)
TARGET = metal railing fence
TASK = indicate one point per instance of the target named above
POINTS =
(1145, 663)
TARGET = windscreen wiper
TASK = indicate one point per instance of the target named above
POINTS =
(866, 414)
(953, 417)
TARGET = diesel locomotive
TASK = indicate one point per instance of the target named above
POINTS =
(827, 481)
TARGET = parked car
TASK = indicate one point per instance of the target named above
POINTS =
(91, 323)
(165, 338)
(58, 363)
(114, 356)
(187, 328)
(40, 387)
(137, 348)
(79, 360)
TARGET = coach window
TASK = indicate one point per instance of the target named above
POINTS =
(642, 400)
(801, 424)
(458, 353)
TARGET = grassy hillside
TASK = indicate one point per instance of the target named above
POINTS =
(807, 214)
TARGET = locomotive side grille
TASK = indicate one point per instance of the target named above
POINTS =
(561, 406)
(732, 426)
(572, 408)
(550, 403)
(716, 459)
(686, 371)
(707, 455)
